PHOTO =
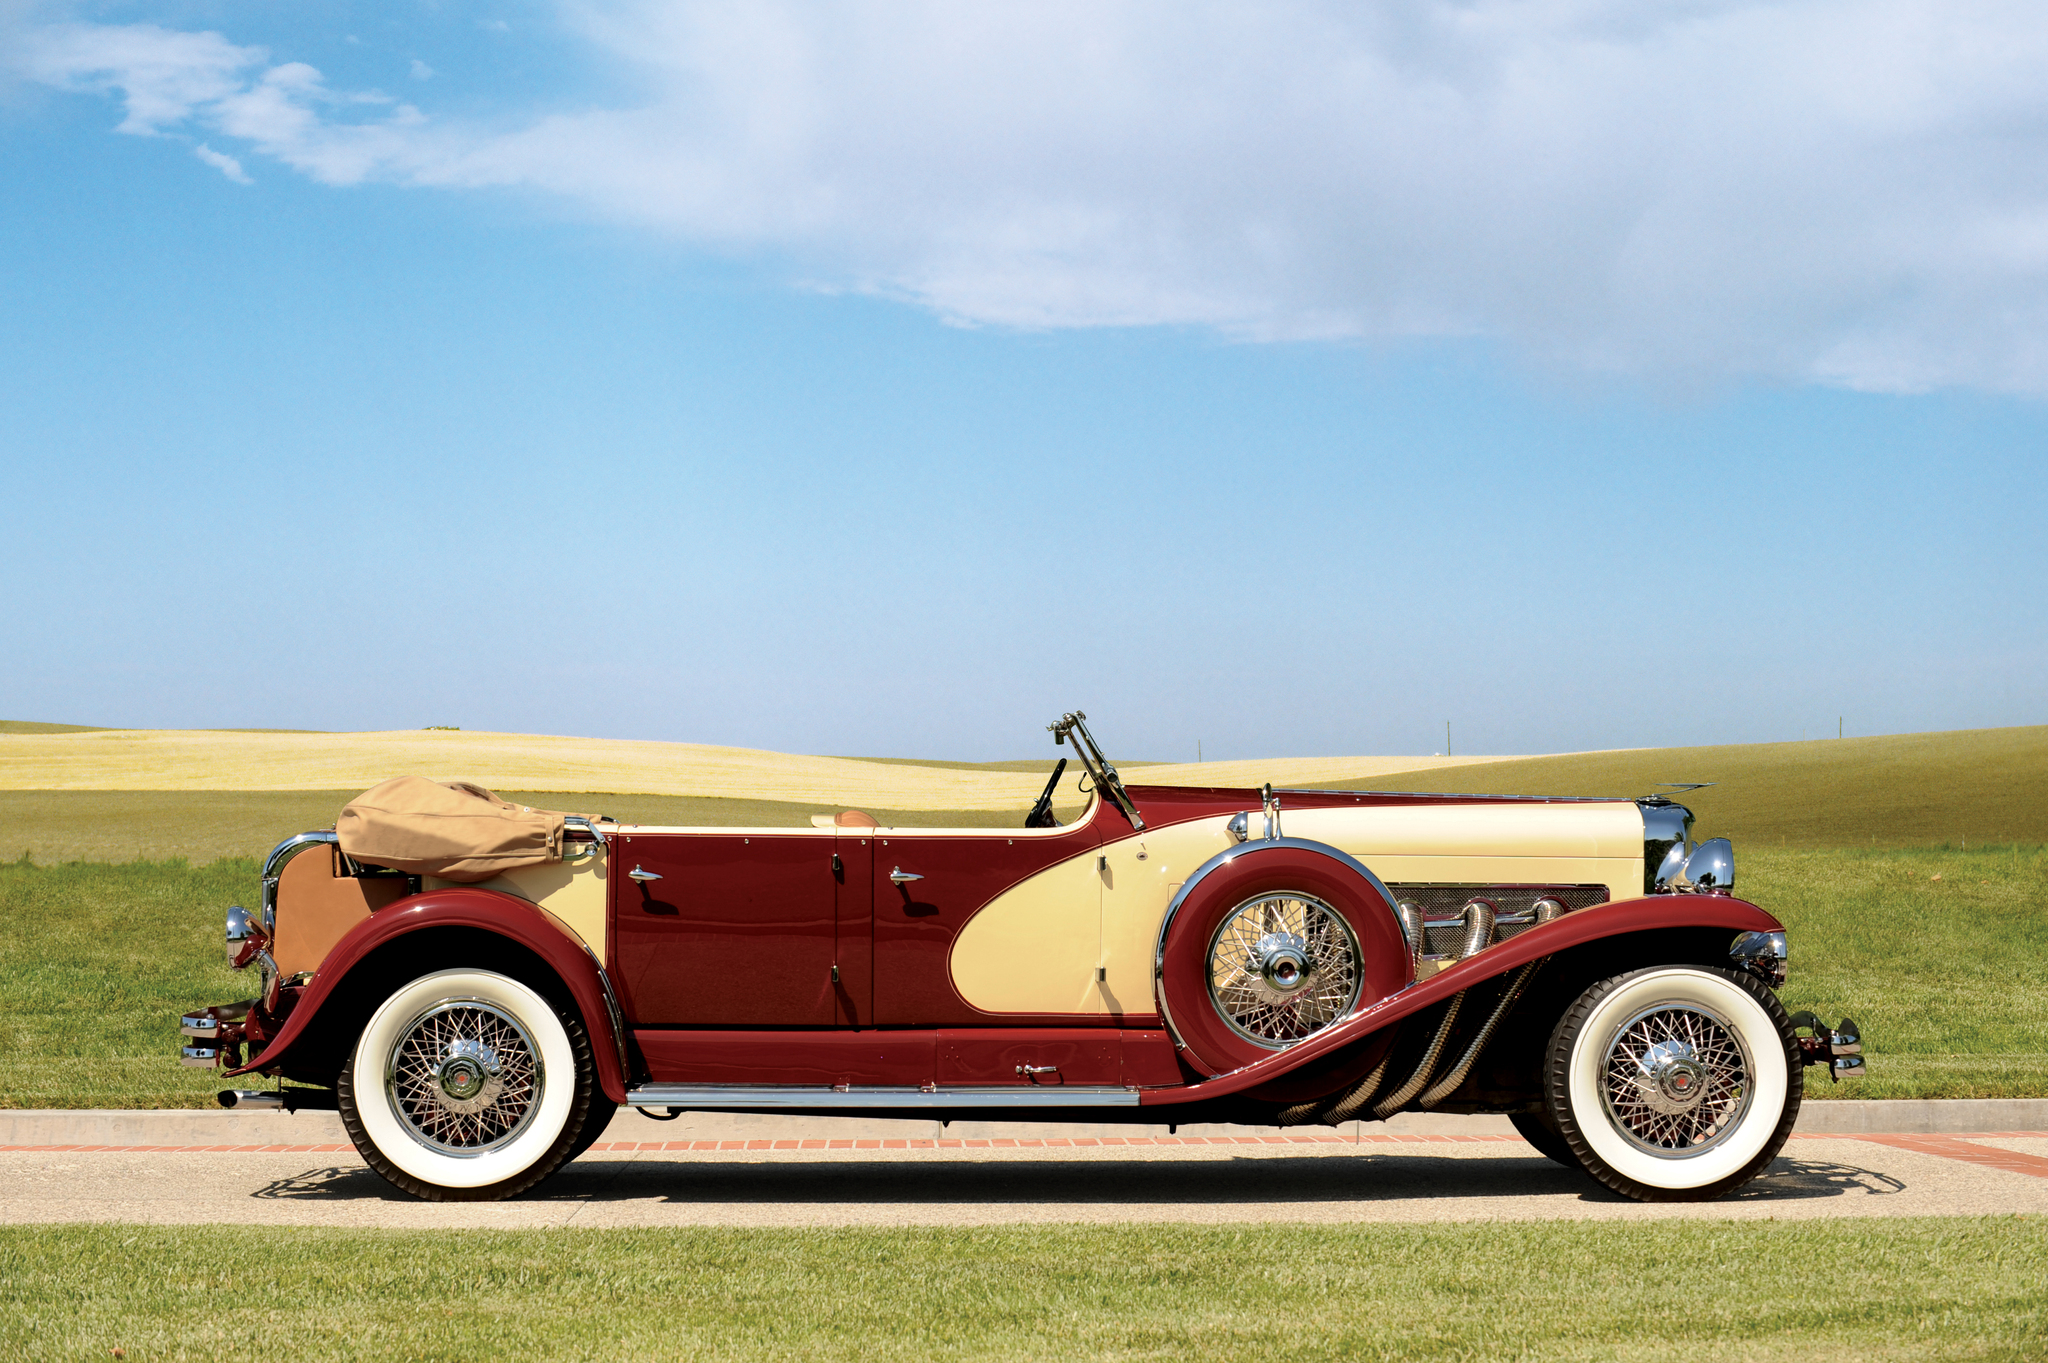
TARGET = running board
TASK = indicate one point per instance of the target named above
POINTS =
(776, 1097)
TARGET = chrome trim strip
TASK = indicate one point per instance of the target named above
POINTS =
(1224, 858)
(771, 1097)
(1463, 795)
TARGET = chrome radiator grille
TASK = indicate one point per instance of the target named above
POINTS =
(1443, 905)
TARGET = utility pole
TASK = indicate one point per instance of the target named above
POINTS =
(1838, 725)
(1447, 738)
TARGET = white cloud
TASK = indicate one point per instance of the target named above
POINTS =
(1842, 191)
(421, 71)
(222, 162)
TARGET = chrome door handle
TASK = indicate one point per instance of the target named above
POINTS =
(900, 876)
(642, 876)
(1038, 1069)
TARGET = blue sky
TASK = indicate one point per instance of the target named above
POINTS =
(877, 380)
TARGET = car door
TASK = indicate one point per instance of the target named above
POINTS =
(927, 885)
(726, 928)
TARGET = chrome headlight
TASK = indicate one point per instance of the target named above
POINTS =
(243, 929)
(1709, 869)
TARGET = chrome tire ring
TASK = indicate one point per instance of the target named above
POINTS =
(514, 1134)
(464, 1077)
(1677, 1079)
(1282, 966)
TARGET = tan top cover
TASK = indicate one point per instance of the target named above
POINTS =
(452, 830)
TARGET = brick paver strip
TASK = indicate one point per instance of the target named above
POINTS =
(1959, 1148)
(1947, 1147)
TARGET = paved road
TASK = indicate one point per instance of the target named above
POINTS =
(876, 1182)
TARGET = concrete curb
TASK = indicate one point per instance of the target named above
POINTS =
(97, 1126)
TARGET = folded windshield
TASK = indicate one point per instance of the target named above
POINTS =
(1072, 728)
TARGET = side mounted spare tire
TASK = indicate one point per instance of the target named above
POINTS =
(1270, 943)
(468, 1086)
(1675, 1083)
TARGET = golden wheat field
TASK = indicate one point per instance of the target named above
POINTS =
(231, 760)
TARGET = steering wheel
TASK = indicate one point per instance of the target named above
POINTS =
(1041, 813)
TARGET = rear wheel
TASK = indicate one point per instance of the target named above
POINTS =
(1676, 1083)
(468, 1086)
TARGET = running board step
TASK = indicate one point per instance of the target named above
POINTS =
(774, 1097)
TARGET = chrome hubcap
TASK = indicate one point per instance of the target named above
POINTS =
(1280, 960)
(470, 1078)
(1676, 1080)
(464, 1077)
(1282, 967)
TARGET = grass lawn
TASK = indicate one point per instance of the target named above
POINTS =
(1971, 785)
(1947, 1288)
(1941, 955)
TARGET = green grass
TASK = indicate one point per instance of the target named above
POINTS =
(29, 726)
(1946, 1288)
(1974, 785)
(202, 825)
(1948, 977)
(96, 963)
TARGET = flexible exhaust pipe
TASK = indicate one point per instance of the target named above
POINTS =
(1352, 1103)
(1398, 1099)
(1449, 1083)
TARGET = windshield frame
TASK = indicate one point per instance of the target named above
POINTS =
(1072, 728)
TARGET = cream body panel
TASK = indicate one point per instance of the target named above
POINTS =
(1006, 961)
(1107, 904)
(573, 891)
(1034, 948)
(1517, 830)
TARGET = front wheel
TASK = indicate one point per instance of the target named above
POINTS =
(1676, 1083)
(467, 1086)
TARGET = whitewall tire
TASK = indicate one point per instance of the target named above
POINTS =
(1674, 1083)
(467, 1085)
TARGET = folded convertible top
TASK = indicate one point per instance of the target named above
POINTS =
(447, 829)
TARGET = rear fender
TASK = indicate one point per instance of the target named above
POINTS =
(432, 931)
(1633, 928)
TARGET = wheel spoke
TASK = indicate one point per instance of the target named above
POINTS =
(1317, 982)
(1676, 1079)
(464, 1077)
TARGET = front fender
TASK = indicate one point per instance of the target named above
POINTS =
(1574, 929)
(501, 915)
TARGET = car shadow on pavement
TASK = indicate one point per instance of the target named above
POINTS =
(1267, 1179)
(1273, 1180)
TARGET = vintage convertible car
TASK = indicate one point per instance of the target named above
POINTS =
(1173, 955)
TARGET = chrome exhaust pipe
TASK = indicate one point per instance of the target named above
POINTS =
(251, 1098)
(1480, 917)
(1410, 914)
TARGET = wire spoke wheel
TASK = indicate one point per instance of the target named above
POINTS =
(1282, 967)
(1676, 1079)
(464, 1077)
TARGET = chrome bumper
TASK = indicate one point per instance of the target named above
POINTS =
(1840, 1047)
